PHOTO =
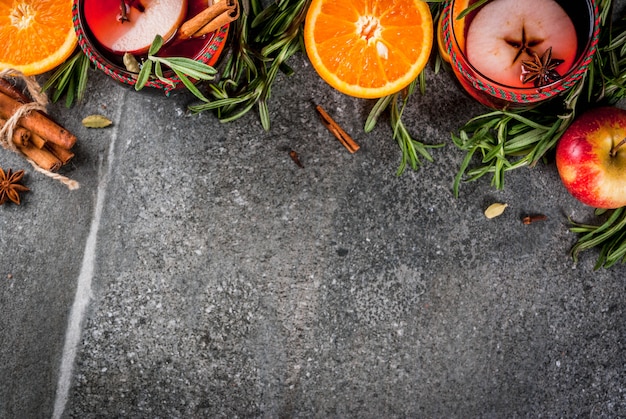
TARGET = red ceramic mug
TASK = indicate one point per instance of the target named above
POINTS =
(488, 85)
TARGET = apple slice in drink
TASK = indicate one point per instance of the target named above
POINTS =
(506, 32)
(133, 29)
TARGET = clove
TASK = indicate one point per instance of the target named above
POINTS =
(295, 158)
(529, 219)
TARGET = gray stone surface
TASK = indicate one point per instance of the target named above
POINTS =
(225, 281)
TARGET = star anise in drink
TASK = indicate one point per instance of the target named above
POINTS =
(541, 70)
(10, 186)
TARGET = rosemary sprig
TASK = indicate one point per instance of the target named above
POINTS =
(410, 148)
(69, 79)
(609, 64)
(184, 68)
(610, 236)
(507, 140)
(263, 40)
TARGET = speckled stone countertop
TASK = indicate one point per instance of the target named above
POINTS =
(198, 272)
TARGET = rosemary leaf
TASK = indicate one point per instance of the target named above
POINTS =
(237, 112)
(224, 102)
(144, 75)
(158, 72)
(71, 91)
(189, 85)
(156, 45)
(377, 111)
(464, 165)
(471, 8)
(264, 114)
(82, 77)
(192, 68)
(263, 15)
(182, 67)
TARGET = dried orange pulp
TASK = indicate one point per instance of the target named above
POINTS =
(368, 48)
(36, 35)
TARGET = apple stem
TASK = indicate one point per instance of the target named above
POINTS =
(124, 15)
(125, 8)
(614, 149)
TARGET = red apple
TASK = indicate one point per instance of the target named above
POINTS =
(133, 29)
(591, 158)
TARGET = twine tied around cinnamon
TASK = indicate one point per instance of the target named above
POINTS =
(39, 103)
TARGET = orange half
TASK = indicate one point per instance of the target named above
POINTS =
(36, 35)
(368, 48)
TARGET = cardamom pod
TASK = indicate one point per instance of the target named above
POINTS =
(130, 62)
(495, 210)
(96, 121)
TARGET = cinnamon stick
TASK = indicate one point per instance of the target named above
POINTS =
(221, 20)
(12, 92)
(37, 140)
(42, 157)
(37, 122)
(21, 136)
(337, 131)
(190, 28)
(63, 154)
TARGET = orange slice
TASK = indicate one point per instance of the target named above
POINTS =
(36, 35)
(458, 26)
(368, 48)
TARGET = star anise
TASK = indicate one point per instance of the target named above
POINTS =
(541, 70)
(9, 186)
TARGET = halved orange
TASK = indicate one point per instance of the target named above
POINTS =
(368, 48)
(36, 35)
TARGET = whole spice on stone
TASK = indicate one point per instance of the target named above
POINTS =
(529, 219)
(336, 130)
(9, 186)
(495, 210)
(96, 121)
(294, 156)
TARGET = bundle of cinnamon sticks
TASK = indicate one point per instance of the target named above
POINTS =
(37, 136)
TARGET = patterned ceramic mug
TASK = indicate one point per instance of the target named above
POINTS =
(516, 54)
(205, 49)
